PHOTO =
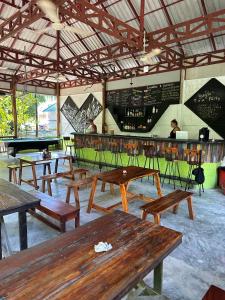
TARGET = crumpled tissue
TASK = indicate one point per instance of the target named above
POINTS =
(103, 247)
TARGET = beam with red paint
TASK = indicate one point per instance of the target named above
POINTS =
(190, 62)
(204, 25)
(162, 37)
(23, 18)
(99, 19)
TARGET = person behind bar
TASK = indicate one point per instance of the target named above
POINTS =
(93, 126)
(174, 125)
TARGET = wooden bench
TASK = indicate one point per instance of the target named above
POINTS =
(75, 185)
(55, 209)
(214, 293)
(68, 174)
(162, 204)
(14, 167)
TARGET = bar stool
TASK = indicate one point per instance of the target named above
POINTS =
(133, 153)
(79, 148)
(172, 171)
(116, 154)
(99, 149)
(194, 160)
(68, 144)
(151, 158)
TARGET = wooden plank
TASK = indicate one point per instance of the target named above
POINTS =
(12, 198)
(67, 267)
(117, 176)
(164, 203)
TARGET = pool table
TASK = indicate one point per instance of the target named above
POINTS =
(15, 145)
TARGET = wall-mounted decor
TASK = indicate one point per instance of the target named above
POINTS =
(139, 109)
(208, 104)
(90, 109)
(69, 110)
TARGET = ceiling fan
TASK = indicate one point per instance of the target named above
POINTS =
(56, 78)
(52, 13)
(150, 57)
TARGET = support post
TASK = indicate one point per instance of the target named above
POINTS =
(58, 84)
(142, 17)
(103, 105)
(58, 108)
(14, 111)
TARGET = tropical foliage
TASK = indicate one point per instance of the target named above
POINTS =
(26, 112)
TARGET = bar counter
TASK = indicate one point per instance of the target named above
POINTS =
(213, 151)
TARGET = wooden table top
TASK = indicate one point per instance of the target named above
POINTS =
(13, 199)
(38, 157)
(67, 267)
(117, 176)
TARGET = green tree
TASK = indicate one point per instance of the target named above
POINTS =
(26, 112)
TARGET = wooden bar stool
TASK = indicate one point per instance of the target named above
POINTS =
(68, 144)
(133, 153)
(79, 148)
(99, 149)
(172, 171)
(194, 160)
(116, 154)
(151, 158)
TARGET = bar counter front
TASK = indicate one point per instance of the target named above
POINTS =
(122, 150)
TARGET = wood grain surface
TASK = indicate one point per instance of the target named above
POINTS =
(12, 197)
(67, 267)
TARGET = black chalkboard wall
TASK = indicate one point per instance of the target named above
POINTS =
(139, 109)
(208, 104)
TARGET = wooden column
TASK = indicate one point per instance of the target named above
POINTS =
(13, 97)
(36, 116)
(58, 108)
(103, 104)
(58, 84)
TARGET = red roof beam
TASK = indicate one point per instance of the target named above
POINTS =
(95, 17)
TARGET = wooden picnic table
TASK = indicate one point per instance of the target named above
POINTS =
(67, 267)
(13, 199)
(36, 159)
(122, 177)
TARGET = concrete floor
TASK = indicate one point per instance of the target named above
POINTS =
(188, 272)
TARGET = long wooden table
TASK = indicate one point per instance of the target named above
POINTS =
(36, 159)
(118, 177)
(13, 199)
(67, 267)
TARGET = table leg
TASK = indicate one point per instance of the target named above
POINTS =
(158, 278)
(44, 169)
(34, 176)
(23, 230)
(123, 192)
(190, 209)
(49, 168)
(158, 185)
(20, 172)
(92, 194)
(71, 163)
(56, 165)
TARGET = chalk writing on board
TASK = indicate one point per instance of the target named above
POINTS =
(146, 104)
(208, 103)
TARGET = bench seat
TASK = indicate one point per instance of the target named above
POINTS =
(55, 209)
(75, 185)
(162, 204)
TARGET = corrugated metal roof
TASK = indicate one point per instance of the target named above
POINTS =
(72, 44)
